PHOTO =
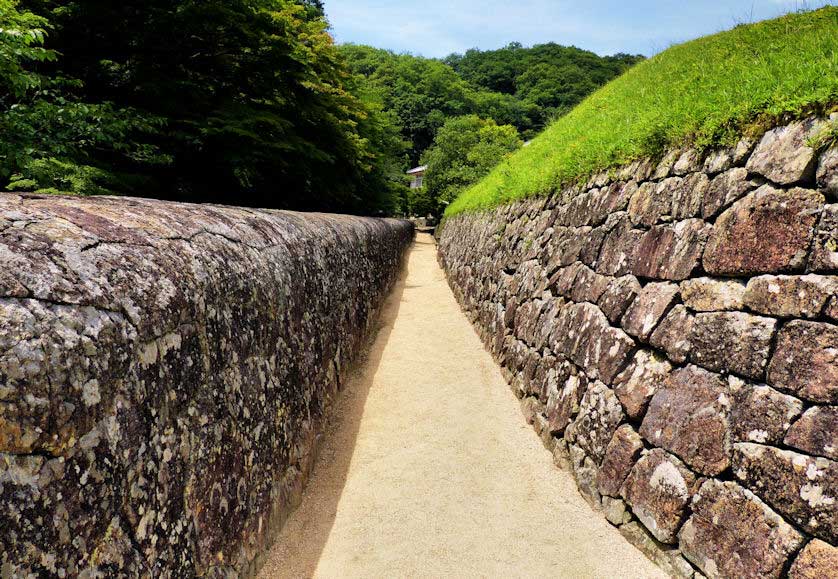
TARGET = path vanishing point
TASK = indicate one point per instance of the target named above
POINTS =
(430, 470)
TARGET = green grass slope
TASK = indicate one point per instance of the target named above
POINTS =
(703, 93)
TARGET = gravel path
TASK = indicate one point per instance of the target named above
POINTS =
(430, 470)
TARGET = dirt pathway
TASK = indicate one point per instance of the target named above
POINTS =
(431, 471)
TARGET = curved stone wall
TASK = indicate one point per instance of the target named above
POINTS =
(672, 331)
(164, 369)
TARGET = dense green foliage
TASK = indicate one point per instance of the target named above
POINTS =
(704, 93)
(504, 85)
(464, 150)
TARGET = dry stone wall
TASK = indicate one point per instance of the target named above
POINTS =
(164, 373)
(672, 330)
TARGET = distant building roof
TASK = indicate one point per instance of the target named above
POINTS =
(420, 169)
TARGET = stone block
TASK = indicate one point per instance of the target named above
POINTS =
(666, 557)
(724, 190)
(618, 296)
(802, 488)
(707, 294)
(688, 198)
(584, 473)
(760, 413)
(769, 231)
(688, 416)
(673, 334)
(563, 404)
(670, 252)
(827, 174)
(659, 489)
(816, 561)
(825, 247)
(649, 308)
(790, 296)
(599, 416)
(784, 155)
(732, 533)
(805, 361)
(652, 202)
(816, 432)
(636, 385)
(620, 455)
(732, 342)
(615, 510)
(615, 256)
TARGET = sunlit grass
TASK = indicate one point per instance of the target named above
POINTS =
(706, 92)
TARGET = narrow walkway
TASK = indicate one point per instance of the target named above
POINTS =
(431, 471)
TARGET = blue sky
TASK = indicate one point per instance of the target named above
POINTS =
(439, 27)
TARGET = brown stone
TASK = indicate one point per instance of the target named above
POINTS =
(769, 231)
(690, 161)
(805, 362)
(673, 334)
(760, 413)
(665, 165)
(620, 455)
(832, 309)
(790, 296)
(827, 175)
(636, 385)
(707, 294)
(659, 488)
(825, 248)
(615, 257)
(688, 198)
(801, 487)
(732, 533)
(817, 560)
(585, 473)
(784, 155)
(732, 342)
(563, 404)
(618, 296)
(724, 190)
(816, 432)
(588, 286)
(688, 416)
(650, 306)
(670, 252)
(653, 201)
(666, 557)
(599, 416)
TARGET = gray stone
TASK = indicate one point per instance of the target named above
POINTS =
(790, 296)
(827, 174)
(732, 342)
(615, 511)
(652, 202)
(690, 161)
(805, 361)
(599, 416)
(673, 334)
(688, 416)
(585, 473)
(664, 556)
(784, 155)
(724, 190)
(688, 198)
(618, 296)
(825, 247)
(707, 294)
(636, 385)
(732, 533)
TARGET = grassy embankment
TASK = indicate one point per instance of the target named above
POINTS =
(703, 93)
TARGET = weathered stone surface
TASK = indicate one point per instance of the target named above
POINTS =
(805, 361)
(825, 247)
(615, 511)
(827, 174)
(585, 473)
(769, 231)
(718, 161)
(732, 533)
(816, 561)
(653, 201)
(705, 294)
(688, 416)
(588, 286)
(167, 371)
(759, 413)
(724, 190)
(618, 296)
(689, 162)
(784, 155)
(802, 488)
(670, 252)
(790, 296)
(732, 342)
(659, 488)
(673, 334)
(665, 556)
(648, 308)
(615, 257)
(832, 309)
(816, 432)
(636, 385)
(620, 455)
(599, 416)
(688, 198)
(563, 404)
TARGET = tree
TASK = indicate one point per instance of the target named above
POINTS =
(465, 150)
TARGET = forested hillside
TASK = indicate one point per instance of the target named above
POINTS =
(251, 102)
